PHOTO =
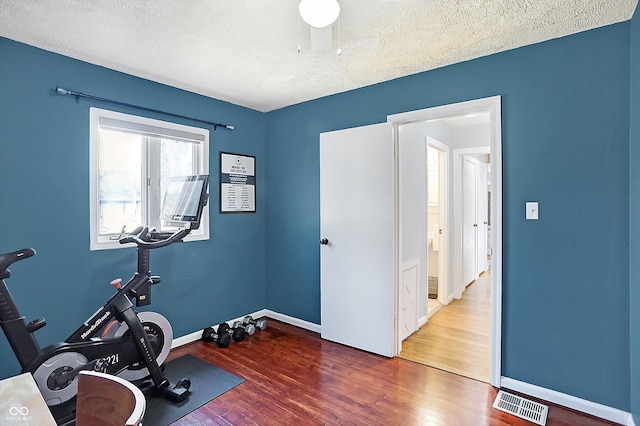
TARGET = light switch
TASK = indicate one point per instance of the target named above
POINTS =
(532, 210)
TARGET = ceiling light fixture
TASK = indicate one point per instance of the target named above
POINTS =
(319, 13)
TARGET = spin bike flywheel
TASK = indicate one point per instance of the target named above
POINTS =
(46, 374)
(160, 335)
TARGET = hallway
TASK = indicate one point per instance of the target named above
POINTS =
(457, 337)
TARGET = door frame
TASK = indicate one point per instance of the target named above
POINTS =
(493, 106)
(444, 202)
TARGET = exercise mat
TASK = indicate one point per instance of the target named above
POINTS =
(207, 383)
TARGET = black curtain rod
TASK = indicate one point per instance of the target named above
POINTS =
(60, 91)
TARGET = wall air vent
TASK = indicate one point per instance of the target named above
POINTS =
(523, 408)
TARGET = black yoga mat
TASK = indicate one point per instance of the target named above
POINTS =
(207, 383)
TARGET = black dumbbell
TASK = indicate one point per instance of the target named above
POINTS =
(250, 324)
(238, 331)
(221, 337)
(237, 334)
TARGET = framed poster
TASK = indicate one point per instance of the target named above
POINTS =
(237, 183)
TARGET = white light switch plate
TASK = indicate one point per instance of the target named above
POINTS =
(532, 210)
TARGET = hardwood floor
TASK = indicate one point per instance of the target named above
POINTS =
(293, 377)
(457, 337)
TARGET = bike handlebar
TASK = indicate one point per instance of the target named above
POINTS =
(8, 259)
(139, 234)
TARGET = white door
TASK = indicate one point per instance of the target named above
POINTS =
(469, 224)
(482, 217)
(356, 222)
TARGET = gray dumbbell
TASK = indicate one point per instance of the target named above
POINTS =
(250, 324)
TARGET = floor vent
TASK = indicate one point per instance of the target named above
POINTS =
(523, 408)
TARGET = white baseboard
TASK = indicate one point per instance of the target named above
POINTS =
(196, 335)
(565, 400)
(422, 321)
(293, 321)
(183, 340)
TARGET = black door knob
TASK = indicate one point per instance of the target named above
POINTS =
(324, 241)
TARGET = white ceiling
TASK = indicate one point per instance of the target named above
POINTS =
(245, 51)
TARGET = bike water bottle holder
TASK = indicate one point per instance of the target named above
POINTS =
(143, 295)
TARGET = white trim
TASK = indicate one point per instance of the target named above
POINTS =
(187, 338)
(444, 111)
(493, 106)
(570, 401)
(445, 206)
(495, 109)
(198, 135)
(197, 335)
(316, 328)
(396, 243)
(423, 320)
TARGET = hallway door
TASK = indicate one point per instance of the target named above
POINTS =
(469, 221)
(482, 217)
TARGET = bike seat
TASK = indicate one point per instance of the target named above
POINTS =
(9, 258)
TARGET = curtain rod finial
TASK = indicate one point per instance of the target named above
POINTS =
(60, 91)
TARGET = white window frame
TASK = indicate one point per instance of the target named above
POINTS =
(151, 175)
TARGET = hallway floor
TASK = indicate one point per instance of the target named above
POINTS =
(456, 338)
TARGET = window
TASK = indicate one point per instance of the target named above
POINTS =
(132, 159)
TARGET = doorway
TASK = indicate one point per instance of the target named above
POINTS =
(437, 204)
(439, 121)
(456, 335)
(366, 189)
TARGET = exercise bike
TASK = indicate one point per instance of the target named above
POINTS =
(115, 339)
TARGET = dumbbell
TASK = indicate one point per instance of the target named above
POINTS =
(221, 337)
(250, 324)
(238, 331)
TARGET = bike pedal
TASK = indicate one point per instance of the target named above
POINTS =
(175, 394)
(184, 383)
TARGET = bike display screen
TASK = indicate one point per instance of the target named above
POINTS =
(184, 199)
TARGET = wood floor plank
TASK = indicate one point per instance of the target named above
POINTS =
(457, 337)
(293, 377)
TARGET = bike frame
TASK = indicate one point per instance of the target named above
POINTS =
(111, 355)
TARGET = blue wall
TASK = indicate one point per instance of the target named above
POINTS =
(566, 109)
(44, 202)
(565, 128)
(634, 215)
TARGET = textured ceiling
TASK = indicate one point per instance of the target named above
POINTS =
(245, 51)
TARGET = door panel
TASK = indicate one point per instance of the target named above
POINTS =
(356, 217)
(482, 217)
(469, 225)
(408, 299)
